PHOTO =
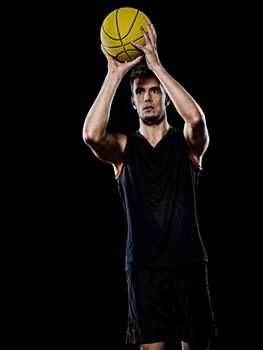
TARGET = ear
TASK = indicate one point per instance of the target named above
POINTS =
(133, 103)
(167, 100)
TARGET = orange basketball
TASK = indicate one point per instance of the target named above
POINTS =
(119, 28)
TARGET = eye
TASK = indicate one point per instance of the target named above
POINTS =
(138, 91)
(156, 90)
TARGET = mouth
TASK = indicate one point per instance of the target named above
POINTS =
(148, 108)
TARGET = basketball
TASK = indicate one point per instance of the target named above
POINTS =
(121, 27)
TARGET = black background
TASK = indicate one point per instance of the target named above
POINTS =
(77, 259)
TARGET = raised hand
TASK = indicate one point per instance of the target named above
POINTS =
(115, 66)
(150, 47)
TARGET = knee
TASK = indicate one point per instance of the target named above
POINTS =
(199, 346)
(153, 346)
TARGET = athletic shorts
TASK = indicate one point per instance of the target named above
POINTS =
(169, 304)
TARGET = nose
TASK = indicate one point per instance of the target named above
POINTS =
(147, 96)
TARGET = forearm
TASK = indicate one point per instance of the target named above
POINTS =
(184, 103)
(98, 116)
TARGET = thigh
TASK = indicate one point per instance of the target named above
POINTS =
(150, 305)
(196, 322)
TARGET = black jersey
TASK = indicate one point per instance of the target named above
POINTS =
(158, 188)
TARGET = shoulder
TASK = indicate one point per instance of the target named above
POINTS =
(179, 136)
(131, 138)
(121, 140)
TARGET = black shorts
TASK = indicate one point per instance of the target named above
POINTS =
(169, 303)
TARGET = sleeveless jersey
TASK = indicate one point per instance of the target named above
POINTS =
(158, 188)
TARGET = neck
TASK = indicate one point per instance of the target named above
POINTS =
(154, 133)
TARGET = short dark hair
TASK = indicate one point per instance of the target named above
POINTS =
(138, 71)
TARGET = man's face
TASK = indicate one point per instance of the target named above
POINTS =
(149, 100)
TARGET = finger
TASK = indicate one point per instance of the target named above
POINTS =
(138, 59)
(138, 46)
(103, 50)
(135, 61)
(151, 32)
(145, 35)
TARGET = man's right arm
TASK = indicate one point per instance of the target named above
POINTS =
(106, 146)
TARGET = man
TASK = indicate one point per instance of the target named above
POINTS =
(157, 169)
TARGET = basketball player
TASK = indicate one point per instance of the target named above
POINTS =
(157, 169)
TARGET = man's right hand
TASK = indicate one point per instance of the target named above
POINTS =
(115, 66)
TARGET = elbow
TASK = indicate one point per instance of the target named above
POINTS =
(198, 119)
(88, 137)
(91, 137)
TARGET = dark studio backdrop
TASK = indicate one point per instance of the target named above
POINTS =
(86, 293)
